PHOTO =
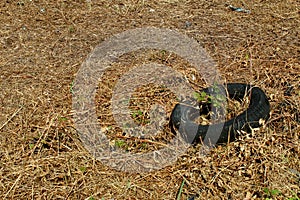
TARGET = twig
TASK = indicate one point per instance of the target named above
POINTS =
(13, 115)
(43, 135)
(216, 176)
(19, 177)
(141, 140)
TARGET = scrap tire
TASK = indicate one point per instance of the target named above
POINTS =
(259, 109)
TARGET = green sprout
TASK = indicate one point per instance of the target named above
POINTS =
(180, 189)
(271, 193)
(217, 99)
(137, 113)
(82, 169)
(202, 97)
(120, 143)
(71, 29)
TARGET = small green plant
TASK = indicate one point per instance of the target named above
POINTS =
(137, 114)
(217, 99)
(138, 117)
(61, 119)
(82, 169)
(247, 56)
(120, 143)
(71, 29)
(271, 193)
(31, 146)
(201, 97)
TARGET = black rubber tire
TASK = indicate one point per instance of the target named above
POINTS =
(259, 108)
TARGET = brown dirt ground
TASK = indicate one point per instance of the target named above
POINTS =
(43, 44)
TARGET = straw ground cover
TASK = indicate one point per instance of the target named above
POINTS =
(43, 44)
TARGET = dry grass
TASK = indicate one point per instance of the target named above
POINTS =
(43, 44)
